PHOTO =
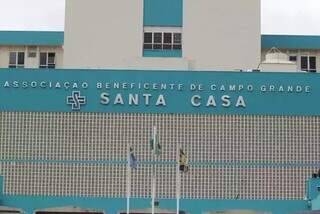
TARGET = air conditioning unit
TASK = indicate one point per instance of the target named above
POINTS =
(274, 55)
(32, 54)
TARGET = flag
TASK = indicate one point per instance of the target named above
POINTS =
(183, 161)
(155, 145)
(132, 159)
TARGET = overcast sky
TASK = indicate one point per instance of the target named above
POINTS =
(278, 16)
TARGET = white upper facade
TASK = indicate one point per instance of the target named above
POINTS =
(215, 34)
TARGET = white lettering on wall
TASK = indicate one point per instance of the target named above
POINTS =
(161, 101)
(225, 101)
(196, 100)
(240, 102)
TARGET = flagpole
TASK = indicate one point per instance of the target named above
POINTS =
(153, 193)
(178, 179)
(128, 180)
(154, 134)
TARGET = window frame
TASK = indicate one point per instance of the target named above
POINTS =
(308, 68)
(164, 45)
(167, 44)
(147, 44)
(16, 63)
(47, 64)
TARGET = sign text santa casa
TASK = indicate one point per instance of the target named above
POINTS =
(159, 92)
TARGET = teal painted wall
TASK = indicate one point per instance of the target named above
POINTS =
(163, 13)
(192, 206)
(162, 53)
(290, 41)
(177, 100)
(31, 38)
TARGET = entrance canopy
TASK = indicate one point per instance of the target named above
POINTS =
(68, 210)
(10, 210)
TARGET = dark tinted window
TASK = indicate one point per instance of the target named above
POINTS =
(162, 41)
(43, 59)
(147, 37)
(157, 37)
(293, 58)
(147, 46)
(177, 38)
(167, 47)
(312, 63)
(304, 63)
(167, 38)
(176, 47)
(12, 58)
(21, 58)
(157, 46)
(51, 58)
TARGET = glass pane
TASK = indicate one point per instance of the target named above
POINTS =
(147, 37)
(157, 38)
(293, 58)
(147, 46)
(21, 58)
(177, 38)
(167, 47)
(51, 58)
(12, 58)
(177, 47)
(312, 62)
(157, 47)
(167, 38)
(304, 63)
(43, 58)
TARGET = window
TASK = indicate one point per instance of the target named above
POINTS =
(167, 41)
(147, 41)
(308, 63)
(162, 41)
(157, 41)
(177, 41)
(292, 58)
(47, 60)
(16, 60)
